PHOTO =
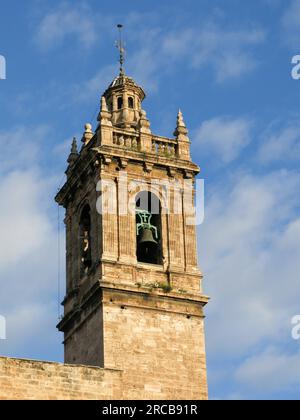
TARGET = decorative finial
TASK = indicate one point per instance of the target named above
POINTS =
(144, 123)
(88, 134)
(104, 116)
(103, 104)
(74, 152)
(183, 141)
(181, 130)
(180, 120)
(74, 146)
(121, 47)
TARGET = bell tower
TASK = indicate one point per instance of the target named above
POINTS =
(134, 297)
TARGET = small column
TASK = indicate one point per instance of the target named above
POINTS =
(190, 228)
(109, 218)
(176, 233)
(126, 220)
(115, 103)
(145, 132)
(125, 112)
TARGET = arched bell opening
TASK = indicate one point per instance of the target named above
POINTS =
(148, 228)
(85, 240)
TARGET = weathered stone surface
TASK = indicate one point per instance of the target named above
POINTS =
(143, 324)
(144, 319)
(34, 380)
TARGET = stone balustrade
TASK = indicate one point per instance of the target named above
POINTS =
(163, 146)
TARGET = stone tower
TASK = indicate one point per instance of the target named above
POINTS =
(134, 299)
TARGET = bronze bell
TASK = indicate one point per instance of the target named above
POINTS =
(147, 238)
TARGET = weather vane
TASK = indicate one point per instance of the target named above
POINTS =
(121, 47)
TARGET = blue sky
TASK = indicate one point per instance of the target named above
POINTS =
(228, 67)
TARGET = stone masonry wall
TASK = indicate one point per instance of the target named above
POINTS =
(162, 345)
(33, 380)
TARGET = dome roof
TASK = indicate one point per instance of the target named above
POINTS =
(126, 81)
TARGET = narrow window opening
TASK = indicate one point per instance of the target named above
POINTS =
(130, 102)
(120, 102)
(85, 240)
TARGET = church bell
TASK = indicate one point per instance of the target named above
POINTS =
(147, 238)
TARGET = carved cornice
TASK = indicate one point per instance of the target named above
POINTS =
(149, 158)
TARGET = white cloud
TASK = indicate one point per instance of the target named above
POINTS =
(290, 23)
(272, 3)
(20, 147)
(210, 45)
(23, 226)
(250, 256)
(273, 369)
(281, 144)
(227, 52)
(30, 329)
(65, 22)
(90, 90)
(224, 137)
(145, 69)
(28, 266)
(249, 246)
(28, 247)
(157, 52)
